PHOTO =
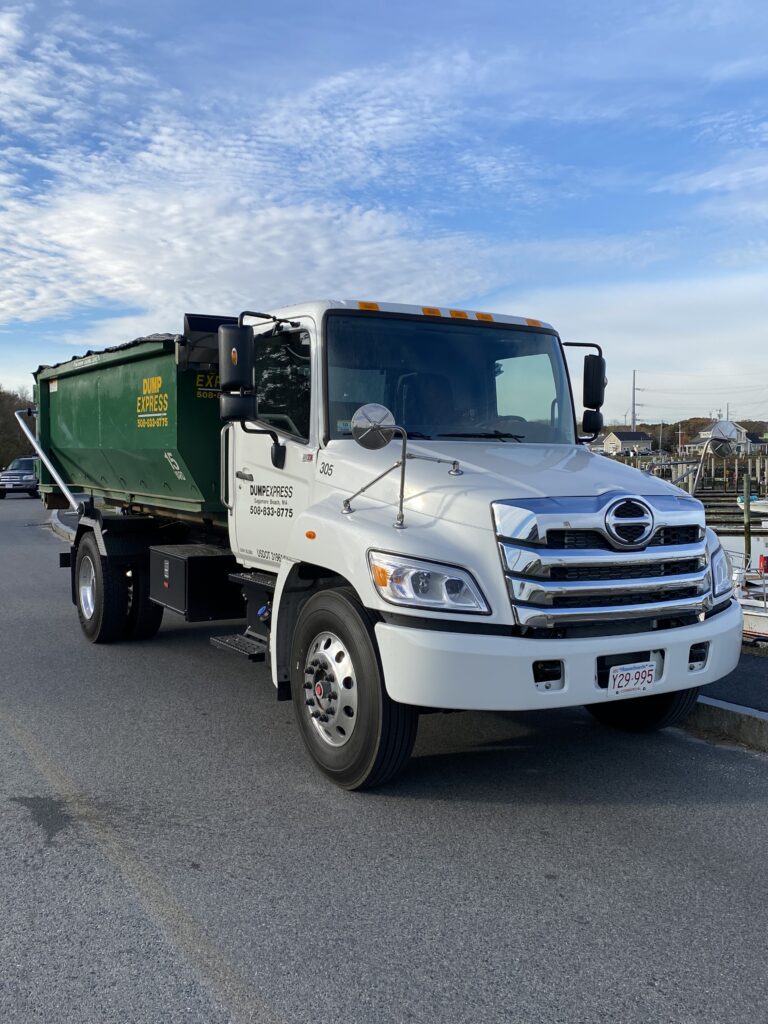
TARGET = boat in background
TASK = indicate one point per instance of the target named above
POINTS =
(758, 505)
(751, 591)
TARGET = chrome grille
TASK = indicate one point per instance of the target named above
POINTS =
(563, 567)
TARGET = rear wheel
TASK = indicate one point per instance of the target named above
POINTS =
(144, 616)
(354, 732)
(2, 495)
(646, 714)
(101, 594)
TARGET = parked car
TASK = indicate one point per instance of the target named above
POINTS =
(19, 478)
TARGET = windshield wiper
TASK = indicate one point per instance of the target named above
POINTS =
(499, 435)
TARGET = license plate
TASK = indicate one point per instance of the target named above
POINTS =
(635, 678)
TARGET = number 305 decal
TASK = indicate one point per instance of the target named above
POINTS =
(326, 469)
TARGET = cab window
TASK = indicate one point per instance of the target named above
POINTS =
(284, 382)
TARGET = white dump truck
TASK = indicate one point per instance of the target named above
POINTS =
(401, 508)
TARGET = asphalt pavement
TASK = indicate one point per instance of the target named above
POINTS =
(168, 854)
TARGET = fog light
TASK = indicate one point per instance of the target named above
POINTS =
(548, 675)
(697, 656)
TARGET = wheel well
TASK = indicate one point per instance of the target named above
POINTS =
(303, 580)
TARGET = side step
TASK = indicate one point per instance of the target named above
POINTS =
(253, 647)
(264, 580)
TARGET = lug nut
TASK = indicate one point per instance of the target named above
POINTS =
(307, 686)
(314, 714)
(330, 711)
(310, 703)
(323, 718)
(332, 695)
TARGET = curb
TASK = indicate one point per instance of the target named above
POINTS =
(719, 720)
(61, 529)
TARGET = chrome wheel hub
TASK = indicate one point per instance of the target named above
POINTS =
(86, 586)
(330, 689)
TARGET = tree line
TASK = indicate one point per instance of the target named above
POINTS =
(12, 441)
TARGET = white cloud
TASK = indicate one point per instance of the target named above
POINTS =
(707, 330)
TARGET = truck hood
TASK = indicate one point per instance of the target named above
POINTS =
(490, 472)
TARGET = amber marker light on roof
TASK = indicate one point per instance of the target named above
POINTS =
(368, 305)
(431, 311)
(459, 314)
(533, 323)
(483, 316)
(310, 534)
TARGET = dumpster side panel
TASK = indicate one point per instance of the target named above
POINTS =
(132, 430)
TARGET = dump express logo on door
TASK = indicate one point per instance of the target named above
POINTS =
(152, 404)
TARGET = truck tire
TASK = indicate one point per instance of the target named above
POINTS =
(144, 616)
(356, 735)
(646, 714)
(2, 495)
(101, 589)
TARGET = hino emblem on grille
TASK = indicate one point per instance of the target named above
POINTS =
(629, 521)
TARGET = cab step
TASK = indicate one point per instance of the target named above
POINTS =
(253, 647)
(264, 580)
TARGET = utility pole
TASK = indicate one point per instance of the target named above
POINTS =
(634, 409)
(679, 437)
(728, 410)
(661, 426)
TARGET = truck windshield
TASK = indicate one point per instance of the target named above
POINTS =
(461, 380)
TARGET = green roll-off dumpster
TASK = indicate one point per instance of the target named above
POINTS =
(138, 425)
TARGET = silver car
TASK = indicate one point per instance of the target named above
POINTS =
(20, 478)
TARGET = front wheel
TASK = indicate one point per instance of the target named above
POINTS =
(353, 731)
(101, 593)
(646, 714)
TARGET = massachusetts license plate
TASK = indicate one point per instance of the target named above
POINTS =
(632, 678)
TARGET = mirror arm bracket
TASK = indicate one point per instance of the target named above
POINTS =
(583, 344)
(346, 506)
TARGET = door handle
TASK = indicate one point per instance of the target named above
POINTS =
(242, 475)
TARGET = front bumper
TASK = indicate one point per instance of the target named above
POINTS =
(481, 672)
(17, 485)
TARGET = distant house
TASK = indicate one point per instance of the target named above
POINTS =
(745, 442)
(634, 442)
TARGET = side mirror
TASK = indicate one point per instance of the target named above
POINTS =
(236, 368)
(236, 357)
(592, 423)
(373, 426)
(234, 407)
(594, 381)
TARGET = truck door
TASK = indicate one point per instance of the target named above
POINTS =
(267, 499)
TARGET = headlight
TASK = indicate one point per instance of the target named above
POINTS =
(29, 476)
(720, 566)
(417, 584)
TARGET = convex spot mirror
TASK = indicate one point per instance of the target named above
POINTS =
(373, 426)
(594, 382)
(723, 447)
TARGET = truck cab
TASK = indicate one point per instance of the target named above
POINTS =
(491, 560)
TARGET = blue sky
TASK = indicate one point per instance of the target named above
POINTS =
(602, 166)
